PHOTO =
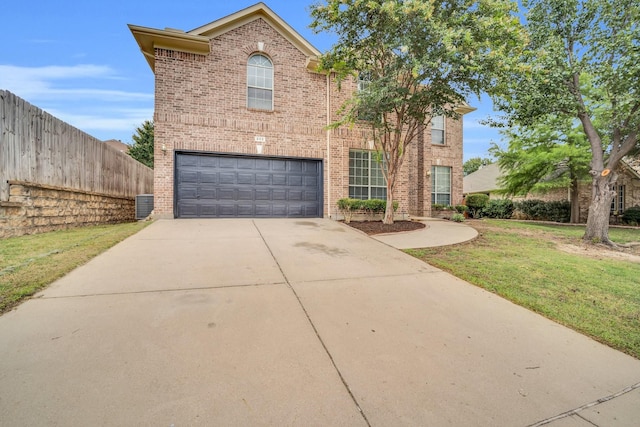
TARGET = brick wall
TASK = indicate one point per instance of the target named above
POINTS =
(201, 106)
(34, 208)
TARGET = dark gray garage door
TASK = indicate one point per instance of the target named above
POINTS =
(236, 186)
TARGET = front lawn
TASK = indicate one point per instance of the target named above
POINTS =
(29, 263)
(547, 269)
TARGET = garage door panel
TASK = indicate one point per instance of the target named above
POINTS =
(245, 210)
(246, 163)
(246, 178)
(214, 186)
(295, 195)
(279, 179)
(277, 194)
(227, 194)
(227, 210)
(208, 177)
(208, 193)
(279, 210)
(263, 179)
(294, 166)
(189, 193)
(279, 165)
(227, 178)
(206, 210)
(246, 194)
(295, 180)
(263, 194)
(208, 162)
(187, 176)
(263, 210)
(227, 162)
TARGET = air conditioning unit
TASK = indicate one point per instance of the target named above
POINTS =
(144, 205)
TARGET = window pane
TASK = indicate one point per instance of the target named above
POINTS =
(366, 179)
(260, 83)
(441, 185)
(437, 130)
(437, 136)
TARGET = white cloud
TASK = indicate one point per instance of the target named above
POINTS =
(111, 121)
(44, 83)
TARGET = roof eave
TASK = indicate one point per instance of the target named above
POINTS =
(149, 39)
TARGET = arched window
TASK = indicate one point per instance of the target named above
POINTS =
(260, 83)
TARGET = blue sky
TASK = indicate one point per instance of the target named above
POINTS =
(78, 60)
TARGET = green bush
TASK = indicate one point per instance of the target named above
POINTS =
(462, 208)
(457, 217)
(499, 208)
(540, 210)
(475, 203)
(631, 215)
(372, 206)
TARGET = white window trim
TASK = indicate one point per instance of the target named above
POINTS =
(434, 194)
(443, 129)
(371, 161)
(259, 87)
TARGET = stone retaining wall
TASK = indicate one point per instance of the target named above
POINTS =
(35, 208)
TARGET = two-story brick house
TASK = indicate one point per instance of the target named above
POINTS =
(241, 119)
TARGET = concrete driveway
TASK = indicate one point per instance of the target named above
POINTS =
(293, 322)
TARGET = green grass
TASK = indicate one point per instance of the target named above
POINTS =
(599, 297)
(30, 263)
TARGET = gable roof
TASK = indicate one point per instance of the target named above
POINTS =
(484, 180)
(197, 40)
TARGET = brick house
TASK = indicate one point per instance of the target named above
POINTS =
(240, 128)
(627, 188)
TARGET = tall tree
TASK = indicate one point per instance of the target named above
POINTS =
(475, 163)
(544, 156)
(142, 148)
(583, 63)
(418, 59)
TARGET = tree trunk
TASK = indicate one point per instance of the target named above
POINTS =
(388, 213)
(599, 210)
(575, 201)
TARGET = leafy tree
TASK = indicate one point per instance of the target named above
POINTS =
(475, 163)
(544, 156)
(418, 59)
(582, 63)
(142, 148)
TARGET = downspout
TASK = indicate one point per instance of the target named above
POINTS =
(328, 145)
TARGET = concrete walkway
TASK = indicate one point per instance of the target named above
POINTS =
(293, 322)
(437, 232)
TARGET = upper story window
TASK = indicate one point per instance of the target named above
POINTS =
(364, 80)
(260, 83)
(437, 130)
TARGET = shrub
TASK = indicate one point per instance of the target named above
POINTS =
(475, 203)
(544, 211)
(499, 208)
(372, 206)
(457, 217)
(462, 208)
(631, 215)
(438, 207)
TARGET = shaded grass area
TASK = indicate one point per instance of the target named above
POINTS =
(30, 263)
(599, 297)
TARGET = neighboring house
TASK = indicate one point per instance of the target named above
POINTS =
(118, 145)
(241, 119)
(486, 181)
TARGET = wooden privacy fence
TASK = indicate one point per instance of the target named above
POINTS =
(39, 148)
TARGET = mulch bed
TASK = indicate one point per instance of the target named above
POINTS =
(377, 227)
